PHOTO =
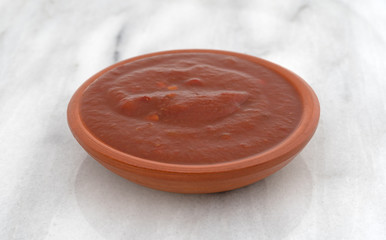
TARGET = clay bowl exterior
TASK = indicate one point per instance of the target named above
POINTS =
(203, 178)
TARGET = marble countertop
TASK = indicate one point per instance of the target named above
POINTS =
(51, 189)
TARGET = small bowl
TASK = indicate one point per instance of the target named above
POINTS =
(200, 178)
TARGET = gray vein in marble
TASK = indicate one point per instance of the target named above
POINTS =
(299, 11)
(118, 42)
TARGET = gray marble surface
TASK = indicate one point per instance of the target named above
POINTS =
(51, 189)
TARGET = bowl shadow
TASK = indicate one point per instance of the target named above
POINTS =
(119, 209)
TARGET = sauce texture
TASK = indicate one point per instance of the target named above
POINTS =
(191, 108)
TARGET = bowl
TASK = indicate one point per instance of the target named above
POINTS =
(200, 178)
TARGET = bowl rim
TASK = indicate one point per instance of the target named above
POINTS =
(287, 148)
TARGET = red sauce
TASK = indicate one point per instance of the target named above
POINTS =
(191, 108)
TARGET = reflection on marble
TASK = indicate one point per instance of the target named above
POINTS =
(51, 189)
(275, 208)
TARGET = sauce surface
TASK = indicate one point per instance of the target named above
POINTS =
(191, 108)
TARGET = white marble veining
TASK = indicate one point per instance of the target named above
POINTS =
(51, 189)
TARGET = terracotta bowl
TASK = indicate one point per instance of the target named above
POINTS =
(205, 178)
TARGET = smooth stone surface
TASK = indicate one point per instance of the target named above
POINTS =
(51, 189)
